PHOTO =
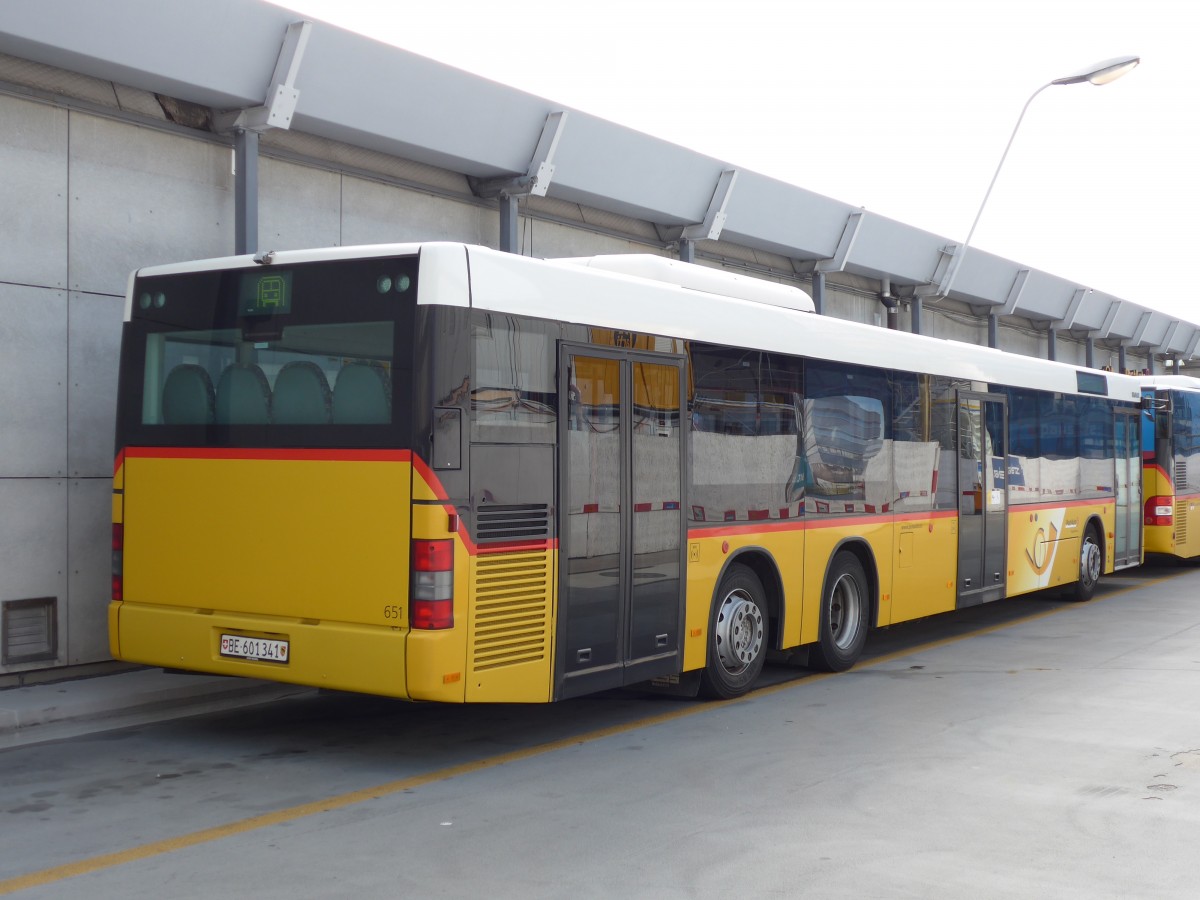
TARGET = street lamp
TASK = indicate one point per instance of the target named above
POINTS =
(1100, 73)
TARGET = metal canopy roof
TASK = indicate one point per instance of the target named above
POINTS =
(221, 54)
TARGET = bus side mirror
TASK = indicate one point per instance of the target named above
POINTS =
(1151, 403)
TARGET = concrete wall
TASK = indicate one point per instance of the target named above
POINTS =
(90, 193)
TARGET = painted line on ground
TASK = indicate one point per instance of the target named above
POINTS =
(341, 801)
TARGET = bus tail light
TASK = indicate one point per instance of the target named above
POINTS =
(118, 561)
(432, 607)
(1160, 511)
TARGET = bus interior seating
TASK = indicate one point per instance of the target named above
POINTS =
(188, 397)
(301, 395)
(362, 396)
(243, 396)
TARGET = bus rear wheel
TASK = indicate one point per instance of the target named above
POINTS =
(737, 635)
(1091, 564)
(845, 611)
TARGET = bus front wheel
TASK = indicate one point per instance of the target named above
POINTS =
(845, 611)
(1091, 564)
(737, 635)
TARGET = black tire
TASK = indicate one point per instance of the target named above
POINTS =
(1091, 565)
(845, 614)
(737, 635)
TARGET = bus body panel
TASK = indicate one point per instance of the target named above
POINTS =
(926, 547)
(1044, 541)
(511, 626)
(308, 547)
(334, 655)
(1176, 539)
(275, 535)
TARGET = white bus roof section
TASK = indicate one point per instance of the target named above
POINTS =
(594, 295)
(699, 278)
(221, 54)
(563, 290)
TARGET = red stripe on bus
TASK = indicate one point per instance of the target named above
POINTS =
(512, 547)
(756, 528)
(264, 453)
(1060, 504)
(815, 521)
(1155, 467)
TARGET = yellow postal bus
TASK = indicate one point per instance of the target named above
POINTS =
(440, 472)
(1171, 438)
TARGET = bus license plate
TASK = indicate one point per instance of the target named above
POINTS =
(242, 647)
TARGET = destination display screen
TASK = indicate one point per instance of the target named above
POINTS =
(266, 293)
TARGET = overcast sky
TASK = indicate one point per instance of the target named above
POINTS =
(900, 106)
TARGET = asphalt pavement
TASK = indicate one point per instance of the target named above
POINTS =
(58, 710)
(65, 709)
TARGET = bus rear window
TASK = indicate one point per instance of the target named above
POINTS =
(309, 354)
(306, 375)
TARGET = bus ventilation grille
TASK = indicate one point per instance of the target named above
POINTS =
(530, 521)
(1181, 523)
(511, 610)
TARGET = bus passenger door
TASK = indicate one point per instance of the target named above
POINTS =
(621, 479)
(1127, 537)
(982, 498)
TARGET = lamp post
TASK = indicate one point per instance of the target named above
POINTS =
(1100, 73)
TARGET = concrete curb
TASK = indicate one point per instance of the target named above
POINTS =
(47, 712)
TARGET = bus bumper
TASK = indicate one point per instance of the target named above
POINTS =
(334, 655)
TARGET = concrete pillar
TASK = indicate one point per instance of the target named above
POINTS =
(509, 240)
(245, 189)
(818, 292)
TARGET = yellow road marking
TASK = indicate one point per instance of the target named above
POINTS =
(292, 813)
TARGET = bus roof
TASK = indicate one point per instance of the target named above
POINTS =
(683, 300)
(569, 291)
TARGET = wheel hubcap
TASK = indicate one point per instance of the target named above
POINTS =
(1089, 562)
(845, 610)
(740, 632)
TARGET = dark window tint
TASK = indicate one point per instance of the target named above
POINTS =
(1185, 441)
(847, 419)
(512, 391)
(315, 354)
(745, 443)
